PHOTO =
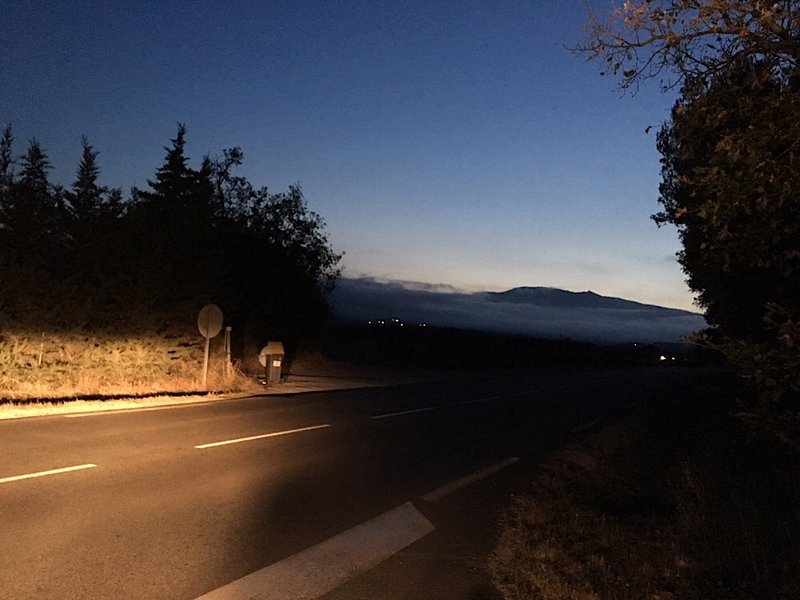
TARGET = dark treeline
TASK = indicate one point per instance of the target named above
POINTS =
(86, 259)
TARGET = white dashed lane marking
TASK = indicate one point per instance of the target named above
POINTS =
(262, 436)
(479, 400)
(405, 412)
(46, 473)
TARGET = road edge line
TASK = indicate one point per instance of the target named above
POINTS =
(457, 484)
(327, 565)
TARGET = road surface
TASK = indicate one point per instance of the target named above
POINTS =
(177, 502)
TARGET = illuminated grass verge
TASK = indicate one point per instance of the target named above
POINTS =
(16, 410)
(68, 365)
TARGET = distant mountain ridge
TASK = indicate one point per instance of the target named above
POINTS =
(535, 311)
(558, 298)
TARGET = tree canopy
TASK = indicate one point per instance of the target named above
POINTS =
(730, 171)
(692, 41)
(90, 262)
(730, 183)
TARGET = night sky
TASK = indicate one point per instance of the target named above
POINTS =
(454, 143)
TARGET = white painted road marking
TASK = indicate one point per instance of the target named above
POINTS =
(321, 568)
(122, 411)
(489, 399)
(453, 486)
(260, 437)
(405, 412)
(45, 473)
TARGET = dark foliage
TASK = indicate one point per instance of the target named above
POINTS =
(87, 260)
(731, 179)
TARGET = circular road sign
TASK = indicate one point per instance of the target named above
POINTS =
(209, 321)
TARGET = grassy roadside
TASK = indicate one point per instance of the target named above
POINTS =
(676, 502)
(306, 373)
(12, 410)
(38, 399)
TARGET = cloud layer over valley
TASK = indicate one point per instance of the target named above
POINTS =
(535, 311)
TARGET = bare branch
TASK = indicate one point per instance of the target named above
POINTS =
(693, 39)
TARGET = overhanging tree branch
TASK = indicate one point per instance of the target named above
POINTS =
(692, 39)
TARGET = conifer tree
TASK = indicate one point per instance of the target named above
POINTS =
(179, 195)
(6, 161)
(6, 181)
(35, 166)
(6, 177)
(86, 195)
(34, 212)
(173, 177)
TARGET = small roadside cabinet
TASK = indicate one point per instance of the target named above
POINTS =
(271, 358)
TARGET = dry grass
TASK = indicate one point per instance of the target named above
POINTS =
(73, 364)
(19, 411)
(88, 385)
(668, 505)
(71, 372)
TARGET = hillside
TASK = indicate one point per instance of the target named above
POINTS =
(557, 298)
(534, 311)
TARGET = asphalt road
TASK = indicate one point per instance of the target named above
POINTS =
(146, 513)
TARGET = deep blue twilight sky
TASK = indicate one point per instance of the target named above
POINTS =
(444, 142)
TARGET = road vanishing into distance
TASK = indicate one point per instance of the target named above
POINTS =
(234, 498)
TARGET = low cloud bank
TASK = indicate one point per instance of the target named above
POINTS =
(541, 312)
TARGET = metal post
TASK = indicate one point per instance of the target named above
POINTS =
(205, 363)
(228, 350)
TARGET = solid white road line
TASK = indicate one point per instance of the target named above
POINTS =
(456, 485)
(260, 437)
(489, 399)
(405, 412)
(120, 411)
(319, 569)
(45, 473)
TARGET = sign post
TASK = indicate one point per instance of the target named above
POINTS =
(209, 322)
(228, 363)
